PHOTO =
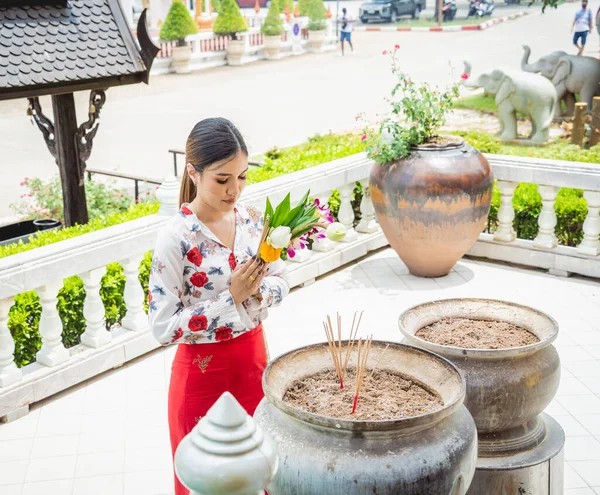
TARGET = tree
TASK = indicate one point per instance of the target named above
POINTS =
(303, 7)
(317, 15)
(273, 24)
(178, 24)
(230, 20)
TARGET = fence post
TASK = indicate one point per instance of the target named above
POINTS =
(595, 137)
(579, 124)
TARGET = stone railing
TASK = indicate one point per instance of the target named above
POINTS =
(44, 269)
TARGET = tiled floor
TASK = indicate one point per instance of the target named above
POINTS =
(109, 436)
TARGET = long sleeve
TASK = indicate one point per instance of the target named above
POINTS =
(170, 320)
(274, 287)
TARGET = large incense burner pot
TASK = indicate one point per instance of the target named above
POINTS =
(433, 453)
(507, 390)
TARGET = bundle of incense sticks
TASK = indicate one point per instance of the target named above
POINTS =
(361, 365)
(335, 346)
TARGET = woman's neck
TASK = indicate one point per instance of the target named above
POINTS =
(207, 214)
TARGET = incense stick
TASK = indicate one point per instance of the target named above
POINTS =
(378, 361)
(361, 364)
(353, 333)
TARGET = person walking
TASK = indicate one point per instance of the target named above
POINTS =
(346, 24)
(582, 25)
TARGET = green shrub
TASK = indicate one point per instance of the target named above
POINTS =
(303, 7)
(178, 24)
(216, 5)
(230, 20)
(316, 15)
(273, 24)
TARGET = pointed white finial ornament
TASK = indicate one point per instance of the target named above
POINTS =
(226, 453)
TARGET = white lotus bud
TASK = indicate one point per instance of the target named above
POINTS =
(280, 237)
(336, 231)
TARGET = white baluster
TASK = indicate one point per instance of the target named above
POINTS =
(136, 318)
(546, 237)
(346, 212)
(9, 373)
(367, 223)
(226, 445)
(95, 334)
(591, 226)
(506, 213)
(168, 196)
(53, 351)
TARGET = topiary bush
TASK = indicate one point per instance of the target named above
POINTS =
(316, 15)
(230, 20)
(303, 7)
(178, 24)
(273, 24)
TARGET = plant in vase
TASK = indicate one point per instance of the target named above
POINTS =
(317, 22)
(231, 22)
(272, 28)
(179, 24)
(431, 193)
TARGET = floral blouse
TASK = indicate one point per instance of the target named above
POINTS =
(189, 299)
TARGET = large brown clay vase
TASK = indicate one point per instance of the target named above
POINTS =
(433, 204)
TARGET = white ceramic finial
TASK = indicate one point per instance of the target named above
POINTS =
(226, 453)
(168, 196)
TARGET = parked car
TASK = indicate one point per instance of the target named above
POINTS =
(390, 10)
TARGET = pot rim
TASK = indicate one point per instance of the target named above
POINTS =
(447, 350)
(458, 142)
(406, 425)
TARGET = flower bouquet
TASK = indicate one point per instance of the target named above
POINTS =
(287, 229)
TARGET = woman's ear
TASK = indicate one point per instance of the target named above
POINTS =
(191, 171)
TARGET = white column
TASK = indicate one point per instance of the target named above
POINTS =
(367, 224)
(546, 237)
(591, 227)
(168, 196)
(346, 212)
(53, 351)
(506, 212)
(95, 334)
(9, 373)
(226, 445)
(136, 318)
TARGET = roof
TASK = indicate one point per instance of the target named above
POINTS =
(81, 44)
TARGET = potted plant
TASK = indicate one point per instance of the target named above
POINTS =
(431, 193)
(230, 22)
(316, 24)
(272, 28)
(177, 26)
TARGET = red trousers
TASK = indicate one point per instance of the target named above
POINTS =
(202, 372)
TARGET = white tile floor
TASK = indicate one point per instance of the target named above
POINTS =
(109, 435)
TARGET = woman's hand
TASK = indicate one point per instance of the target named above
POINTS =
(246, 280)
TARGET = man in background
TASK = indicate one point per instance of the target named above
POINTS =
(346, 24)
(582, 25)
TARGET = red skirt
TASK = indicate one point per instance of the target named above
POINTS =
(202, 372)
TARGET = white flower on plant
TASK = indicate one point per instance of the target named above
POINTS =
(387, 135)
(280, 237)
(336, 231)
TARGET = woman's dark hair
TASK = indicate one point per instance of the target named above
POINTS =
(211, 140)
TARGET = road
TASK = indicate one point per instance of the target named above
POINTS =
(273, 103)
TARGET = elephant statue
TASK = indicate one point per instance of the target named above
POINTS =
(530, 94)
(570, 74)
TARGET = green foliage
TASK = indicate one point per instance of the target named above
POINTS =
(230, 20)
(303, 7)
(23, 323)
(316, 15)
(51, 236)
(418, 114)
(273, 24)
(178, 24)
(216, 5)
(280, 3)
(45, 199)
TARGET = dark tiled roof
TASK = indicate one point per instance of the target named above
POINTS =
(57, 45)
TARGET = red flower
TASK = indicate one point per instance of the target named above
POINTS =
(199, 279)
(223, 333)
(364, 137)
(385, 52)
(397, 47)
(198, 323)
(186, 210)
(194, 256)
(465, 76)
(178, 335)
(232, 262)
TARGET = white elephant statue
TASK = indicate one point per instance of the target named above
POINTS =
(570, 74)
(530, 94)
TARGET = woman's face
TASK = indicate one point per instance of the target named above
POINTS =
(221, 184)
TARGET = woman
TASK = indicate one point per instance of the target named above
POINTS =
(208, 292)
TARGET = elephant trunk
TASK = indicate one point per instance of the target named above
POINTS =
(525, 65)
(467, 71)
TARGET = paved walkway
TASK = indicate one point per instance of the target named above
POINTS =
(109, 435)
(274, 103)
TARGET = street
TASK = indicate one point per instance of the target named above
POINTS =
(273, 103)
